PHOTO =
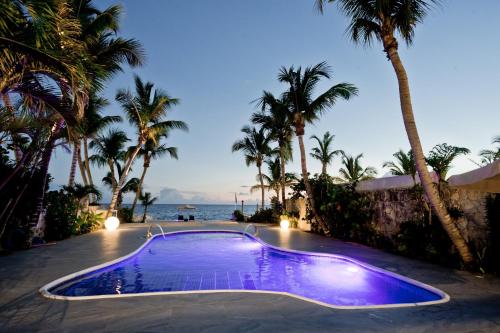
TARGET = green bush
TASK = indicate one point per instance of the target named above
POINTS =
(87, 222)
(491, 251)
(60, 215)
(238, 216)
(265, 216)
(126, 215)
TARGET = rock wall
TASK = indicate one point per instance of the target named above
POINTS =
(395, 206)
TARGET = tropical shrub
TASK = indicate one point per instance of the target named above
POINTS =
(86, 222)
(265, 216)
(126, 215)
(60, 216)
(238, 216)
(490, 261)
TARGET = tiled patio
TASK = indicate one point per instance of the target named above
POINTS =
(474, 305)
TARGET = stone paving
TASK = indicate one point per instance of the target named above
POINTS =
(474, 305)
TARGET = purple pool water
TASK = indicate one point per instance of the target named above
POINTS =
(228, 260)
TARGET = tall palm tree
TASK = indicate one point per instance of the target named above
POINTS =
(352, 172)
(323, 152)
(384, 21)
(255, 147)
(441, 156)
(146, 201)
(275, 117)
(152, 150)
(105, 55)
(488, 155)
(146, 111)
(404, 165)
(306, 109)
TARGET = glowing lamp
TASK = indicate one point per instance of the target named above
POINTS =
(112, 223)
(284, 224)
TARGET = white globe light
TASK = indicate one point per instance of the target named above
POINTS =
(112, 223)
(284, 224)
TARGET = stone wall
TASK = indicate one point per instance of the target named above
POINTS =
(395, 206)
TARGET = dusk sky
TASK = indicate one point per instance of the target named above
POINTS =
(217, 56)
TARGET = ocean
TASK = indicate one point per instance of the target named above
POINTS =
(169, 212)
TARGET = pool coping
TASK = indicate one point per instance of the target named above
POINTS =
(44, 290)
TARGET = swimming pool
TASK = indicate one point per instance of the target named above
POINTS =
(230, 261)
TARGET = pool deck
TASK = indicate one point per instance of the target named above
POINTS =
(474, 305)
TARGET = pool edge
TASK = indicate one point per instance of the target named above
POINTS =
(44, 290)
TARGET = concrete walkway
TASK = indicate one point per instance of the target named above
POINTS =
(474, 305)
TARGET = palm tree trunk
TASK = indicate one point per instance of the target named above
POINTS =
(18, 154)
(283, 175)
(44, 168)
(261, 179)
(323, 169)
(72, 170)
(139, 188)
(425, 178)
(123, 177)
(87, 163)
(309, 191)
(145, 213)
(83, 171)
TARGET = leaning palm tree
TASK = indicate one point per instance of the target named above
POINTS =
(404, 165)
(275, 117)
(323, 152)
(152, 150)
(255, 147)
(352, 172)
(441, 157)
(146, 201)
(110, 181)
(307, 109)
(488, 155)
(385, 21)
(146, 111)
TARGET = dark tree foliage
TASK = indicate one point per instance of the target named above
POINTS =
(492, 249)
(60, 216)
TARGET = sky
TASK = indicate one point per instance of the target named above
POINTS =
(218, 56)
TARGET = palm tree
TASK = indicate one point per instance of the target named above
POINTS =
(146, 111)
(81, 192)
(278, 122)
(152, 150)
(441, 157)
(105, 55)
(404, 165)
(109, 150)
(306, 109)
(352, 172)
(323, 151)
(273, 180)
(110, 181)
(489, 156)
(146, 201)
(383, 20)
(255, 147)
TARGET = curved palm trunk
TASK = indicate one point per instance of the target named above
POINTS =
(323, 169)
(44, 169)
(145, 213)
(425, 179)
(305, 176)
(139, 188)
(123, 177)
(261, 186)
(283, 179)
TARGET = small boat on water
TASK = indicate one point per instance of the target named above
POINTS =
(186, 207)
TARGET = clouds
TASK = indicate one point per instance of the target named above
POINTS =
(169, 195)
